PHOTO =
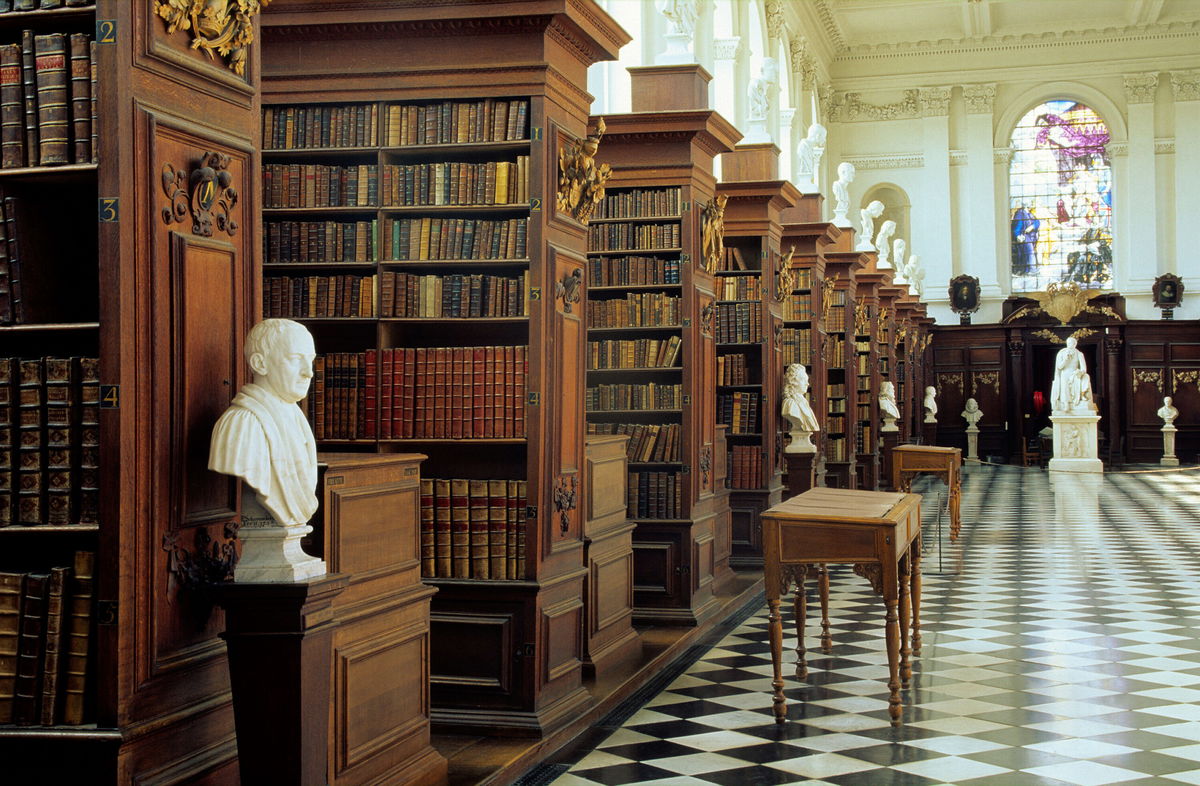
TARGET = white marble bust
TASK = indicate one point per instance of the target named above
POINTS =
(866, 225)
(887, 405)
(808, 158)
(760, 90)
(915, 274)
(841, 194)
(797, 411)
(972, 413)
(1167, 412)
(931, 404)
(899, 246)
(1071, 390)
(883, 244)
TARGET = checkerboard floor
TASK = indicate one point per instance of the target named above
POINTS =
(1061, 646)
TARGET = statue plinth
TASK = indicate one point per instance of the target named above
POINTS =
(756, 132)
(801, 442)
(800, 475)
(1169, 458)
(1075, 443)
(271, 553)
(889, 424)
(973, 443)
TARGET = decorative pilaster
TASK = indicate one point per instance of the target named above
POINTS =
(979, 98)
(787, 141)
(937, 253)
(727, 98)
(775, 23)
(978, 199)
(935, 101)
(1185, 89)
(1142, 199)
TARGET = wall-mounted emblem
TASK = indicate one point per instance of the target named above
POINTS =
(207, 194)
(218, 27)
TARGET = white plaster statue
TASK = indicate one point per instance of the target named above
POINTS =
(797, 411)
(866, 225)
(972, 414)
(883, 242)
(915, 274)
(1071, 391)
(808, 159)
(930, 404)
(841, 194)
(1167, 412)
(264, 439)
(887, 406)
(759, 95)
(898, 248)
(681, 17)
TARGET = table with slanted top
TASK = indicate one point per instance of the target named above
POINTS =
(945, 463)
(880, 533)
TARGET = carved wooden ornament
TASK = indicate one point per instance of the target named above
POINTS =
(207, 193)
(569, 288)
(580, 179)
(565, 498)
(785, 279)
(225, 27)
(712, 232)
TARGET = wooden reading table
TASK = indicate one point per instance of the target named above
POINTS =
(880, 532)
(908, 460)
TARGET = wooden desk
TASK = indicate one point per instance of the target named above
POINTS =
(880, 532)
(908, 460)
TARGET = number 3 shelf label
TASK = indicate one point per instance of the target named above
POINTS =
(110, 210)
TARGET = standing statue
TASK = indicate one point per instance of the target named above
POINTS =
(930, 404)
(264, 439)
(887, 405)
(802, 422)
(915, 274)
(1167, 412)
(883, 242)
(841, 194)
(866, 225)
(808, 159)
(1071, 391)
(898, 248)
(681, 22)
(712, 232)
(759, 95)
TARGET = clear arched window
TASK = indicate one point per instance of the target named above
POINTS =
(1060, 198)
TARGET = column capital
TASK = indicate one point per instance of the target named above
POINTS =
(1185, 85)
(727, 48)
(775, 23)
(979, 98)
(803, 63)
(1140, 88)
(935, 101)
(1118, 149)
(787, 115)
(1004, 155)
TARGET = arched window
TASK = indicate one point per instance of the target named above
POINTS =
(1060, 198)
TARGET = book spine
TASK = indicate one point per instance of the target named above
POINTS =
(60, 439)
(31, 438)
(87, 504)
(442, 528)
(93, 126)
(11, 585)
(81, 97)
(29, 82)
(460, 532)
(428, 544)
(12, 125)
(29, 650)
(480, 565)
(50, 60)
(79, 626)
(497, 529)
(55, 643)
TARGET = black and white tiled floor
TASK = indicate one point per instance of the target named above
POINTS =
(1061, 646)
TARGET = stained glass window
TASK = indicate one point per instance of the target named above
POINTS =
(1060, 198)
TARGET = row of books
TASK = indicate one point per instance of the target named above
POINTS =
(632, 271)
(803, 277)
(835, 449)
(636, 309)
(654, 495)
(625, 397)
(47, 106)
(456, 122)
(337, 400)
(835, 352)
(738, 323)
(732, 370)
(314, 297)
(49, 441)
(863, 409)
(641, 203)
(452, 183)
(41, 5)
(453, 296)
(796, 344)
(412, 239)
(13, 307)
(836, 390)
(45, 636)
(864, 363)
(735, 259)
(863, 438)
(320, 185)
(798, 308)
(316, 126)
(320, 241)
(739, 288)
(739, 411)
(648, 442)
(634, 353)
(835, 424)
(473, 528)
(617, 237)
(745, 467)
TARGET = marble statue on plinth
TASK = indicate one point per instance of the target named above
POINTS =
(931, 404)
(681, 23)
(802, 422)
(264, 439)
(1073, 413)
(808, 159)
(841, 195)
(972, 413)
(1168, 413)
(866, 225)
(887, 406)
(1071, 391)
(883, 244)
(899, 246)
(758, 97)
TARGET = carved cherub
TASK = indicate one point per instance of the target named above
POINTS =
(580, 180)
(712, 232)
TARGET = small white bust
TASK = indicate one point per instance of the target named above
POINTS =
(887, 405)
(841, 194)
(931, 404)
(1167, 412)
(866, 225)
(681, 14)
(915, 275)
(883, 242)
(972, 413)
(797, 411)
(808, 158)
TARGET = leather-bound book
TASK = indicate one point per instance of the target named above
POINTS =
(50, 57)
(10, 626)
(428, 548)
(512, 521)
(460, 528)
(87, 440)
(56, 642)
(60, 424)
(92, 124)
(81, 97)
(480, 566)
(30, 639)
(442, 528)
(8, 238)
(497, 529)
(29, 88)
(79, 628)
(12, 108)
(30, 443)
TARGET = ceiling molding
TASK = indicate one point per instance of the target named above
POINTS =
(832, 29)
(888, 161)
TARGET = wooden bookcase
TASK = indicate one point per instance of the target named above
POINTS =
(749, 283)
(869, 360)
(838, 299)
(505, 652)
(649, 151)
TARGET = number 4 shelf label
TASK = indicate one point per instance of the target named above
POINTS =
(110, 397)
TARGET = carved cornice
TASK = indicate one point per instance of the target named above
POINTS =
(853, 108)
(979, 98)
(1140, 88)
(1164, 146)
(1003, 155)
(889, 161)
(1118, 148)
(833, 33)
(935, 101)
(958, 158)
(727, 48)
(1185, 85)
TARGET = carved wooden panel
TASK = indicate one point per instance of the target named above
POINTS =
(563, 395)
(1148, 386)
(1184, 351)
(654, 569)
(606, 485)
(1147, 352)
(949, 356)
(609, 575)
(171, 55)
(371, 536)
(562, 626)
(473, 650)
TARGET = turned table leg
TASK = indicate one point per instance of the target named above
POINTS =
(775, 631)
(823, 588)
(905, 620)
(914, 552)
(892, 634)
(800, 608)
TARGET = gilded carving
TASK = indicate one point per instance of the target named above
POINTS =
(946, 379)
(862, 319)
(785, 278)
(1181, 376)
(706, 464)
(1065, 301)
(580, 179)
(827, 285)
(881, 325)
(1082, 333)
(706, 319)
(712, 232)
(1149, 376)
(990, 379)
(224, 27)
(1053, 338)
(207, 193)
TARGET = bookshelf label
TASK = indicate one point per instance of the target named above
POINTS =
(535, 133)
(686, 207)
(110, 210)
(106, 612)
(106, 31)
(535, 293)
(534, 399)
(110, 397)
(535, 205)
(685, 259)
(687, 399)
(531, 511)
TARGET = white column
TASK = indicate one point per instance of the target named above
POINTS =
(725, 94)
(979, 209)
(787, 143)
(1136, 272)
(933, 223)
(1185, 86)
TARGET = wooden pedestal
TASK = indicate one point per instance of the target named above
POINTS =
(279, 638)
(890, 440)
(929, 433)
(800, 474)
